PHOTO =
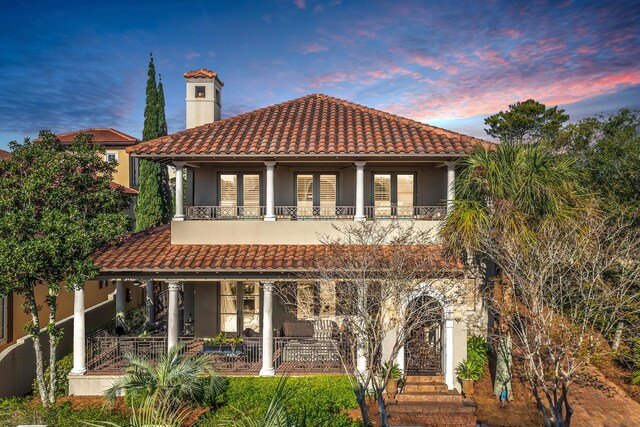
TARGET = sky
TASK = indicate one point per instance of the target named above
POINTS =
(72, 65)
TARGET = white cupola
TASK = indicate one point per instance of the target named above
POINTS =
(204, 99)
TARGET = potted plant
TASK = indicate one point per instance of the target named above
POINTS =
(469, 371)
(394, 376)
(223, 345)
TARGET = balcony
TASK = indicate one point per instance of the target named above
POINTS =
(321, 213)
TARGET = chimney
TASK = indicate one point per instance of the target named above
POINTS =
(203, 97)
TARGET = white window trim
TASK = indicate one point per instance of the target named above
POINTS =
(108, 153)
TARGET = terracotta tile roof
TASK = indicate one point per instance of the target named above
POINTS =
(104, 136)
(202, 73)
(152, 250)
(4, 154)
(127, 190)
(314, 124)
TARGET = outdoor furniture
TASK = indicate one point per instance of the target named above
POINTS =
(309, 341)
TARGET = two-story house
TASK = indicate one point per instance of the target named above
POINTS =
(260, 188)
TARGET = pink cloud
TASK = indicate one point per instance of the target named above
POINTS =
(300, 4)
(586, 49)
(425, 61)
(314, 48)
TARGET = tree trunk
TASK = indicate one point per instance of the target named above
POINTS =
(617, 339)
(504, 362)
(384, 415)
(34, 331)
(362, 403)
(540, 406)
(54, 337)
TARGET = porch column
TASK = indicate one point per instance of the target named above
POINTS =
(359, 191)
(448, 349)
(451, 185)
(179, 213)
(173, 319)
(271, 209)
(267, 330)
(79, 339)
(150, 302)
(121, 302)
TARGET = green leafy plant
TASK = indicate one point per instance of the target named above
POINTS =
(222, 339)
(21, 411)
(153, 411)
(394, 371)
(478, 349)
(63, 367)
(180, 379)
(469, 370)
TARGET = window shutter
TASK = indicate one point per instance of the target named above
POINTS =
(228, 191)
(251, 190)
(327, 190)
(405, 195)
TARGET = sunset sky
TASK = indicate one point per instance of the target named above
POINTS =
(450, 64)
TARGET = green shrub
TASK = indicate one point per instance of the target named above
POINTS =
(17, 411)
(478, 349)
(324, 399)
(63, 367)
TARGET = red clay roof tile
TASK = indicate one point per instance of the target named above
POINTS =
(152, 250)
(104, 136)
(315, 124)
(4, 154)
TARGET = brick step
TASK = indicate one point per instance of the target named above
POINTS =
(414, 379)
(430, 408)
(411, 388)
(428, 396)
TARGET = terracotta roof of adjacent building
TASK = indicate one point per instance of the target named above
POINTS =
(152, 250)
(4, 154)
(104, 136)
(312, 125)
(202, 73)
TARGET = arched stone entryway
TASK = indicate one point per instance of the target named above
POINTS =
(436, 334)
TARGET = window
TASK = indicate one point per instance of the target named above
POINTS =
(393, 194)
(239, 306)
(217, 96)
(111, 157)
(200, 91)
(240, 195)
(316, 194)
(3, 319)
(135, 172)
(315, 300)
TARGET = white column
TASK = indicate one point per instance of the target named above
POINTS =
(121, 302)
(150, 302)
(79, 339)
(267, 330)
(173, 319)
(179, 213)
(359, 191)
(448, 351)
(271, 209)
(451, 185)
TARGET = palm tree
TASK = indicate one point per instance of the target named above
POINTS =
(515, 189)
(510, 187)
(174, 377)
(153, 411)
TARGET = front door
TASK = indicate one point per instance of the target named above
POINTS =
(239, 307)
(423, 349)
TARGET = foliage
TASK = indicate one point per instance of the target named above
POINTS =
(63, 367)
(392, 373)
(222, 339)
(322, 399)
(469, 369)
(153, 411)
(58, 208)
(478, 349)
(607, 149)
(512, 187)
(19, 411)
(154, 196)
(180, 379)
(526, 122)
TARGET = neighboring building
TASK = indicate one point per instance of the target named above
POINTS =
(115, 144)
(260, 188)
(4, 154)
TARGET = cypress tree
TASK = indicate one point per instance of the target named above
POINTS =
(152, 208)
(167, 197)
